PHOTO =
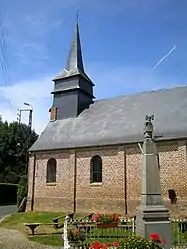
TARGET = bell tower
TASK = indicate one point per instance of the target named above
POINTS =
(73, 89)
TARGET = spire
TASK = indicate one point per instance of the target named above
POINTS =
(75, 54)
(73, 89)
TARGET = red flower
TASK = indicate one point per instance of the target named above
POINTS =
(107, 245)
(98, 245)
(155, 237)
(116, 244)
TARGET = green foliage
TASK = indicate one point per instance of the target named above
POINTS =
(73, 235)
(22, 189)
(133, 242)
(8, 193)
(15, 140)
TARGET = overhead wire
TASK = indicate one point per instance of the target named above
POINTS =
(3, 55)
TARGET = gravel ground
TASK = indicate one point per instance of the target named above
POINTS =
(10, 239)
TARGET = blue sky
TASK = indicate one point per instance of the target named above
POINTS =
(121, 42)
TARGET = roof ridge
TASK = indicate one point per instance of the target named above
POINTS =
(140, 93)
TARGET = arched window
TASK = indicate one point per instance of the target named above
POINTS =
(96, 169)
(51, 170)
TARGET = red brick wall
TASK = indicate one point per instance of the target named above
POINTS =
(110, 195)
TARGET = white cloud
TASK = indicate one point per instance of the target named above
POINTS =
(36, 93)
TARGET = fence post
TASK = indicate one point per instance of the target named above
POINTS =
(66, 242)
(133, 225)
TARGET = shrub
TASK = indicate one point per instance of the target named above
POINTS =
(73, 235)
(8, 193)
(22, 189)
(133, 242)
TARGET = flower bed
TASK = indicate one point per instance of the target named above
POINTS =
(133, 242)
(106, 218)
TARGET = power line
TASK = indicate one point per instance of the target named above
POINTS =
(3, 50)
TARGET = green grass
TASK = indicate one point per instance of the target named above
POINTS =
(178, 237)
(50, 239)
(47, 235)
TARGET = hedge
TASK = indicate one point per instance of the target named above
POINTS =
(8, 193)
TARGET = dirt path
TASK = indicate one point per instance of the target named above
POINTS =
(10, 239)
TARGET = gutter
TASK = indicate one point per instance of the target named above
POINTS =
(33, 183)
(125, 182)
(75, 182)
(107, 145)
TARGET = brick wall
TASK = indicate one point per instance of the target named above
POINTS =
(110, 195)
(173, 173)
(53, 196)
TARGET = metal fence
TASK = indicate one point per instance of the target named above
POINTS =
(112, 231)
(179, 230)
(125, 227)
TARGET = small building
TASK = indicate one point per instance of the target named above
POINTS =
(87, 158)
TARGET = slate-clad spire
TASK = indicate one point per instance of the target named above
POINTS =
(73, 89)
(75, 54)
(74, 64)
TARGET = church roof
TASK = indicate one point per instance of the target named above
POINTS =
(119, 120)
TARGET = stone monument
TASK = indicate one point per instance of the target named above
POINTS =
(152, 216)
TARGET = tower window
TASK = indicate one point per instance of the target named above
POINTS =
(96, 169)
(53, 113)
(51, 170)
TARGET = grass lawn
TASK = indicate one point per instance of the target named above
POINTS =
(47, 235)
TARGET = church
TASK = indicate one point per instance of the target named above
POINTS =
(87, 158)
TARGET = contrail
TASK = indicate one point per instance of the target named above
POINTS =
(163, 58)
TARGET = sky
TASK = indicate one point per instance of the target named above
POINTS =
(122, 41)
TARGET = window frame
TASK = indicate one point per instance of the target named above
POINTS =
(96, 168)
(51, 170)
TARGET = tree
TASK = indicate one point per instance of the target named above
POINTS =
(15, 140)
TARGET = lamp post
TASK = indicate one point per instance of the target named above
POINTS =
(30, 114)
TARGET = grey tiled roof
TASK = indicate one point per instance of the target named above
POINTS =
(120, 120)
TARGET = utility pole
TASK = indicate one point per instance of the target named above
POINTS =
(28, 140)
(19, 116)
(30, 118)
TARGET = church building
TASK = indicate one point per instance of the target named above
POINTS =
(87, 158)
